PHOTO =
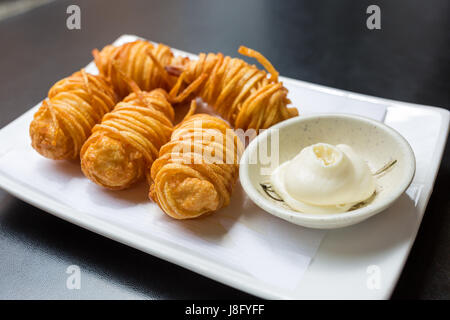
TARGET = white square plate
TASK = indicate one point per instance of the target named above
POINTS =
(359, 262)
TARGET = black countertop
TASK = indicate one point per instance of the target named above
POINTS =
(324, 42)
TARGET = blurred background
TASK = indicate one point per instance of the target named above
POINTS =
(325, 42)
(10, 8)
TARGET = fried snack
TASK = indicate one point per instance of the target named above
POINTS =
(64, 121)
(124, 145)
(141, 61)
(239, 92)
(197, 170)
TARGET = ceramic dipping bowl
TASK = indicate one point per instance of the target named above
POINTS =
(388, 155)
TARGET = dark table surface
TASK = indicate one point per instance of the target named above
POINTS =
(324, 42)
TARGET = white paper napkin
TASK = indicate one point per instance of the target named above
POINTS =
(241, 236)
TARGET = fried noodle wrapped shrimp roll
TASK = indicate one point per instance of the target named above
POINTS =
(239, 92)
(141, 61)
(64, 121)
(124, 145)
(197, 170)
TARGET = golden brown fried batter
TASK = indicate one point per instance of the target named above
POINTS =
(141, 61)
(124, 145)
(64, 121)
(196, 171)
(239, 92)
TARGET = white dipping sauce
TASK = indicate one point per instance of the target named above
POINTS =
(324, 178)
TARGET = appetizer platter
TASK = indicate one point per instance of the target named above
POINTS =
(128, 147)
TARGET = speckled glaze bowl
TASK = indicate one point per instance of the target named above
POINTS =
(387, 153)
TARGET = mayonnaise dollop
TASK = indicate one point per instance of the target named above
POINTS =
(324, 178)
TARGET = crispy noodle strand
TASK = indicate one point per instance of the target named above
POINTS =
(64, 121)
(124, 145)
(239, 92)
(141, 61)
(197, 170)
